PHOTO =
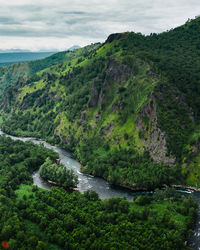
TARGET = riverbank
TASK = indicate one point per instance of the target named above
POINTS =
(82, 172)
(87, 182)
(70, 190)
(186, 187)
(58, 215)
(142, 189)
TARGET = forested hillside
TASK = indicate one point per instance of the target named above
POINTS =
(34, 218)
(128, 108)
(20, 71)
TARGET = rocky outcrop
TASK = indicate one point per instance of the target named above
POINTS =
(118, 72)
(37, 98)
(154, 139)
(115, 36)
(83, 116)
(94, 96)
(115, 72)
(107, 129)
(151, 74)
(97, 117)
(8, 98)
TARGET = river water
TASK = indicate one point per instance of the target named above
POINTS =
(86, 182)
(103, 188)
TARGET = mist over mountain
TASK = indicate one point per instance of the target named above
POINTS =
(14, 57)
(8, 57)
(74, 47)
(30, 51)
(14, 51)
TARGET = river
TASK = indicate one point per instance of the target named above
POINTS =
(103, 188)
(86, 182)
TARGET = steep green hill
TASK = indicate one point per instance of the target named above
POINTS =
(10, 74)
(129, 108)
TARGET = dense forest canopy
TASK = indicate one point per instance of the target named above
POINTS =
(58, 173)
(33, 218)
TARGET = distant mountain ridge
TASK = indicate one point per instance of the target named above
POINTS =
(10, 74)
(11, 57)
(39, 51)
(74, 47)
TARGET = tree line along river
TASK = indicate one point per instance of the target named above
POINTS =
(103, 188)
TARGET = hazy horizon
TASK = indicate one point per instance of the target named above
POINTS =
(7, 51)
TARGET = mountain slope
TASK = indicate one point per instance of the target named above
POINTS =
(10, 74)
(129, 108)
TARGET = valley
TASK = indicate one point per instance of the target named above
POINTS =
(119, 106)
(128, 110)
(29, 212)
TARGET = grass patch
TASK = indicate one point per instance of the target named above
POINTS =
(31, 88)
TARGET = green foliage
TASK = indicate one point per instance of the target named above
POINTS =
(126, 167)
(100, 91)
(91, 195)
(58, 174)
(174, 119)
(32, 218)
(15, 72)
(143, 200)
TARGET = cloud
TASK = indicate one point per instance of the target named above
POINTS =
(73, 12)
(8, 21)
(63, 23)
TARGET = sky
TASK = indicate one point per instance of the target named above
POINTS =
(55, 25)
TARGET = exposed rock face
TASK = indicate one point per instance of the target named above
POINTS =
(9, 96)
(97, 117)
(37, 98)
(62, 138)
(107, 129)
(114, 107)
(155, 142)
(115, 36)
(94, 97)
(83, 116)
(150, 73)
(116, 72)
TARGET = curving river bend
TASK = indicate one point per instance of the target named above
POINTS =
(103, 188)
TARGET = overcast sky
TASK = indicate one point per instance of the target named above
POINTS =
(59, 24)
